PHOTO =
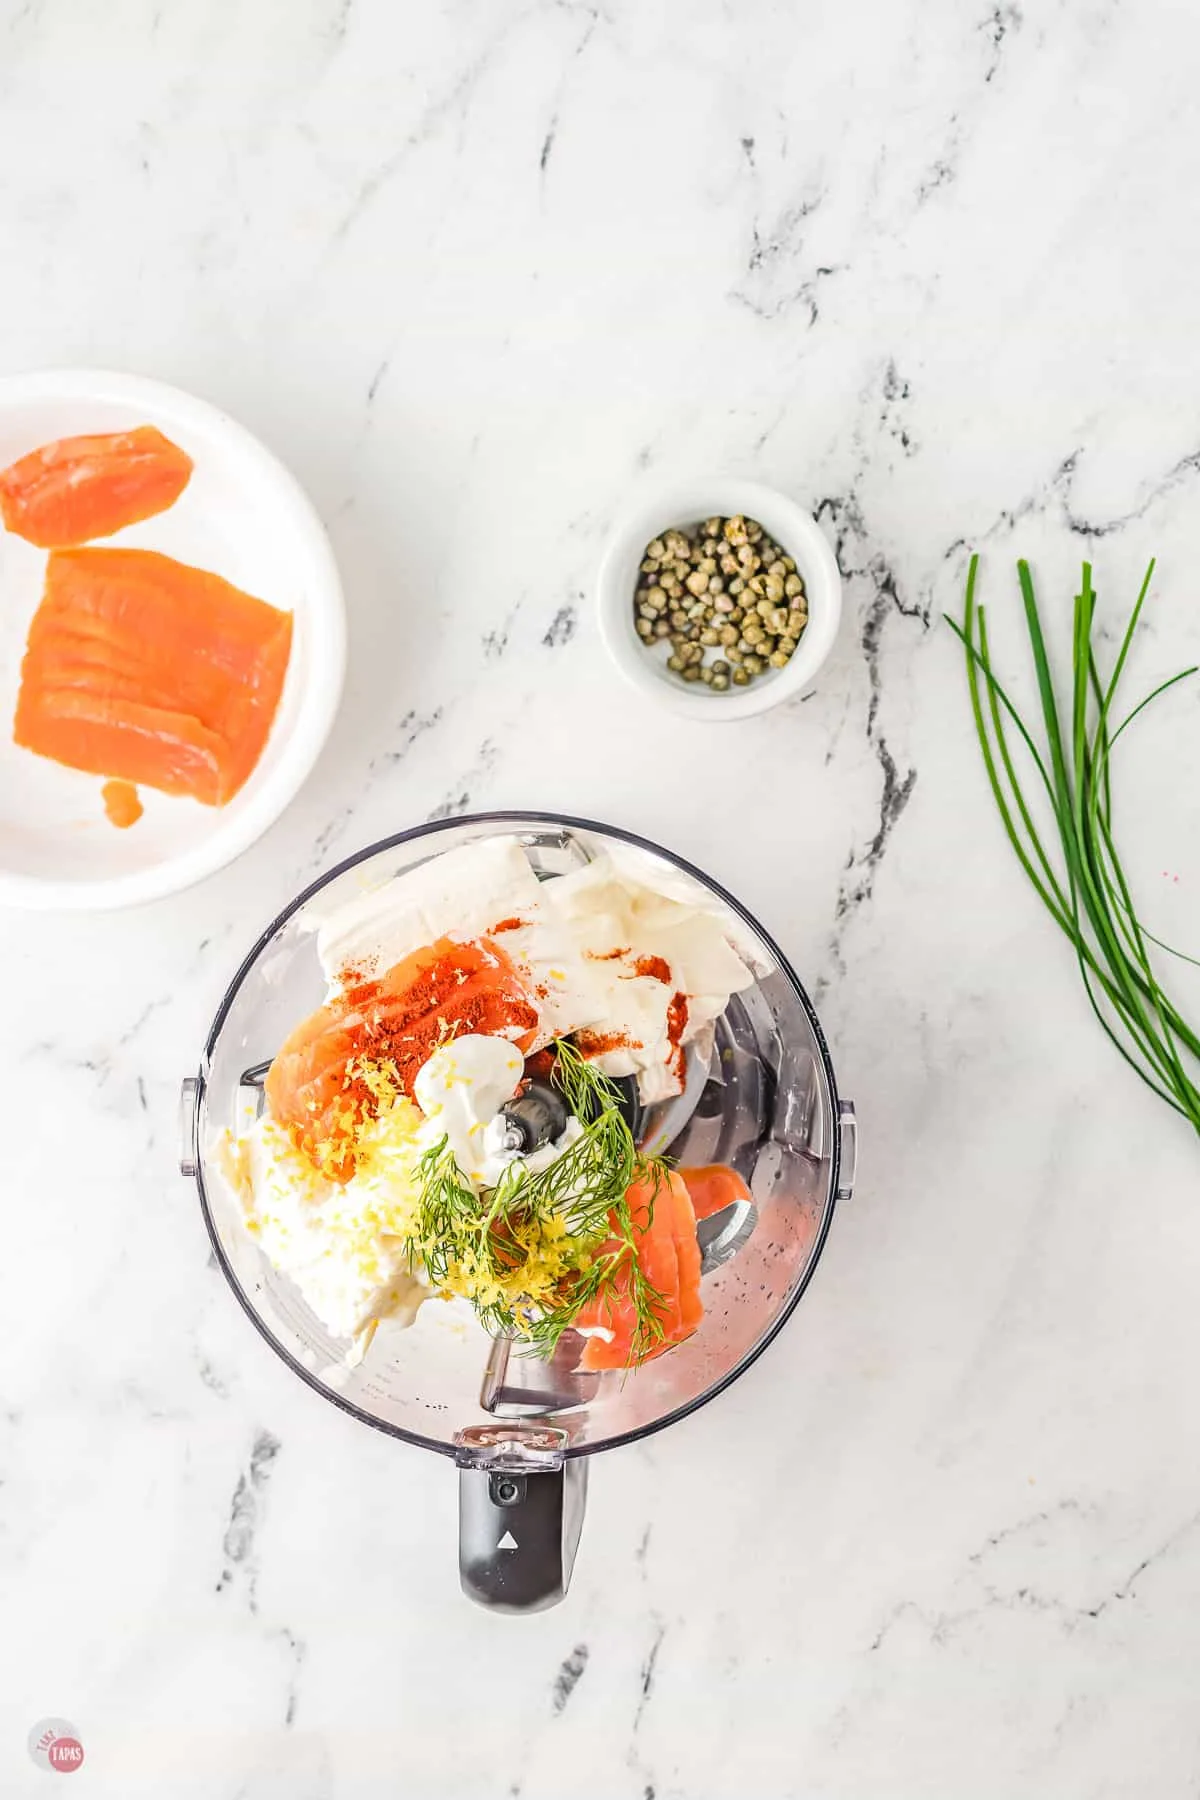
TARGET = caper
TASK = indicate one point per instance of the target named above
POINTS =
(725, 584)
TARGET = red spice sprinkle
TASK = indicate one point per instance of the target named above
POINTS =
(436, 994)
(363, 994)
(657, 967)
(677, 1018)
(509, 925)
(606, 955)
(597, 1043)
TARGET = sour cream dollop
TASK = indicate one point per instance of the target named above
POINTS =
(460, 1090)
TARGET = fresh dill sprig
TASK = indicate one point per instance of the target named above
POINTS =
(1080, 878)
(535, 1249)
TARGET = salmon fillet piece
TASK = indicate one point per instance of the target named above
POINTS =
(148, 670)
(440, 992)
(88, 487)
(146, 745)
(713, 1186)
(122, 804)
(669, 1258)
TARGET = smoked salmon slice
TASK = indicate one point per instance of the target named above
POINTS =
(317, 1086)
(88, 487)
(122, 804)
(147, 670)
(713, 1186)
(669, 1258)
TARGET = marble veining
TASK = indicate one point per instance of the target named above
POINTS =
(474, 272)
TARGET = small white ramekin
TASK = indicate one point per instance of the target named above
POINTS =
(685, 503)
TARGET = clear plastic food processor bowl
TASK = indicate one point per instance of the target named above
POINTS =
(519, 1428)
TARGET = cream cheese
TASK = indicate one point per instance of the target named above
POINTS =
(344, 1246)
(625, 948)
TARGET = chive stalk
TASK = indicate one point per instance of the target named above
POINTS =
(1077, 872)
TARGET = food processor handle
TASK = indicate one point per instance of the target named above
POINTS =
(518, 1532)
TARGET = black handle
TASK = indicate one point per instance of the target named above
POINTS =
(518, 1533)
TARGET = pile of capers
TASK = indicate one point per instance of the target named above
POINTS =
(727, 597)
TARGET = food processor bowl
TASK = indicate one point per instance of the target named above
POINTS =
(762, 1099)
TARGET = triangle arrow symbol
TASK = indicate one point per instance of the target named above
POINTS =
(507, 1542)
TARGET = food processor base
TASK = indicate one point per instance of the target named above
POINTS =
(520, 1513)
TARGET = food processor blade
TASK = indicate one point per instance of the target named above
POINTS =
(722, 1234)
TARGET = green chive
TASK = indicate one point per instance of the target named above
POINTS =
(1077, 871)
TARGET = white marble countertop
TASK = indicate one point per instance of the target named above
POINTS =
(471, 270)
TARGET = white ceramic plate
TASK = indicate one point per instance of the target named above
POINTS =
(243, 516)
